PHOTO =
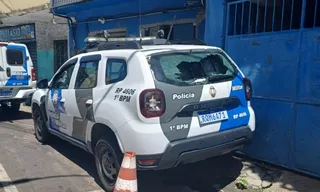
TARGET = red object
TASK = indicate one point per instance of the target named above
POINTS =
(127, 177)
(152, 103)
(33, 74)
(147, 162)
(247, 88)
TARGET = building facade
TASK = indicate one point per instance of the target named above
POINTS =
(45, 37)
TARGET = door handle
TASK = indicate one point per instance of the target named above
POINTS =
(89, 102)
(63, 100)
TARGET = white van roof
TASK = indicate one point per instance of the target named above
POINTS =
(11, 43)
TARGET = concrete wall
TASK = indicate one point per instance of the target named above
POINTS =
(7, 6)
(46, 34)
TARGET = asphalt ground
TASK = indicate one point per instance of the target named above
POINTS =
(26, 165)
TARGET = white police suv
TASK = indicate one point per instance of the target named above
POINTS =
(170, 104)
(17, 76)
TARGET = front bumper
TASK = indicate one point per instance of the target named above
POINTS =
(198, 148)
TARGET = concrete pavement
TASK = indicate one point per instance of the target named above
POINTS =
(63, 167)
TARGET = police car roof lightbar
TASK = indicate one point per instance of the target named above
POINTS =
(132, 39)
(94, 39)
(102, 43)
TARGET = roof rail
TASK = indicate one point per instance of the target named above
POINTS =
(119, 45)
(94, 39)
(189, 42)
(132, 39)
(101, 43)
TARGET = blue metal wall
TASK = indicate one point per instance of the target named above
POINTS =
(282, 58)
(132, 25)
(128, 14)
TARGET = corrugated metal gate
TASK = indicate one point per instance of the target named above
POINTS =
(277, 44)
(32, 47)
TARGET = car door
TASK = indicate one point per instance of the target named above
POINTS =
(80, 98)
(16, 67)
(57, 98)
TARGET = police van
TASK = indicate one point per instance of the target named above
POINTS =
(170, 104)
(17, 76)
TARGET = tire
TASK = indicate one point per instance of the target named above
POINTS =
(40, 128)
(108, 161)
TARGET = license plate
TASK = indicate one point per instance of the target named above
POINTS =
(5, 93)
(212, 117)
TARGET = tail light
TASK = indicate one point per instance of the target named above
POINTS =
(147, 162)
(152, 103)
(33, 74)
(247, 88)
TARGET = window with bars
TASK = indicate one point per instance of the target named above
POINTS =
(259, 16)
(312, 17)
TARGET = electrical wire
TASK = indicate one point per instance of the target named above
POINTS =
(11, 4)
(5, 4)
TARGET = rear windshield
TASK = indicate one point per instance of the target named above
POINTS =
(192, 68)
(14, 57)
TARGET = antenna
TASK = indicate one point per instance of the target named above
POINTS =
(171, 28)
(140, 19)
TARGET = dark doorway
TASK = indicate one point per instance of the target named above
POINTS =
(60, 53)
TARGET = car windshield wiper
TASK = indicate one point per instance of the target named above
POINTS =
(219, 77)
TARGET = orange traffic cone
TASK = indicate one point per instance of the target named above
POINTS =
(127, 178)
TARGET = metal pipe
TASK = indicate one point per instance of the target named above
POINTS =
(235, 20)
(71, 23)
(274, 13)
(282, 14)
(315, 14)
(249, 20)
(303, 14)
(265, 15)
(138, 15)
(257, 16)
(242, 18)
(292, 6)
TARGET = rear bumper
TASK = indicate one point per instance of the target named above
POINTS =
(21, 94)
(199, 148)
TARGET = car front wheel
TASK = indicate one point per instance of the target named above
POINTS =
(41, 131)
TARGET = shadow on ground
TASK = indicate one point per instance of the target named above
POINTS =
(26, 180)
(207, 176)
(5, 116)
(211, 175)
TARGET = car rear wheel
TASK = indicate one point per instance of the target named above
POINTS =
(108, 159)
(41, 130)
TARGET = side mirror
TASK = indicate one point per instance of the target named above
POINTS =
(43, 84)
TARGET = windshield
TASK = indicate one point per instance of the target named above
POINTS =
(192, 67)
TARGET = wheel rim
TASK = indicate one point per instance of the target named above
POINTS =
(109, 165)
